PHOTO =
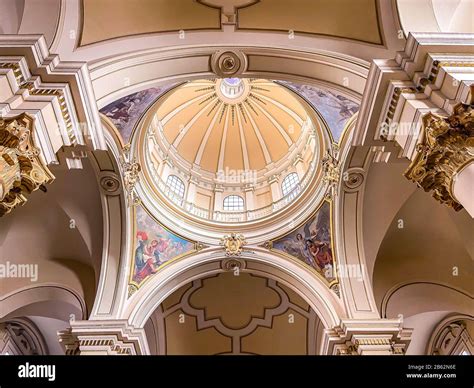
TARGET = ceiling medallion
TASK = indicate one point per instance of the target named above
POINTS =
(110, 183)
(233, 244)
(353, 180)
(228, 63)
(234, 265)
(22, 170)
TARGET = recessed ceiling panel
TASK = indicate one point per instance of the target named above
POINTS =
(109, 19)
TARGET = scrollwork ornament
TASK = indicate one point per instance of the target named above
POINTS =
(331, 172)
(131, 169)
(447, 146)
(233, 244)
(22, 170)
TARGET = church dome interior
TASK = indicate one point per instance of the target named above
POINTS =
(253, 132)
(237, 177)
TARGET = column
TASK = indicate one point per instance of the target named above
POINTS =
(218, 201)
(275, 187)
(298, 163)
(444, 159)
(249, 197)
(165, 169)
(463, 187)
(191, 191)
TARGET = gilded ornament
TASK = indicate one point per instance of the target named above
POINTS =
(447, 145)
(233, 244)
(22, 170)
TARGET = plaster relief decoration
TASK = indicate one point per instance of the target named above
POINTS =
(223, 312)
(312, 244)
(22, 171)
(447, 145)
(228, 63)
(154, 246)
(335, 108)
(131, 168)
(126, 111)
(331, 172)
(233, 244)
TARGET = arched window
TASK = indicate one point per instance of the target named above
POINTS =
(233, 203)
(175, 185)
(289, 184)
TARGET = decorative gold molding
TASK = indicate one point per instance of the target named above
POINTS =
(331, 171)
(233, 244)
(131, 169)
(22, 170)
(447, 146)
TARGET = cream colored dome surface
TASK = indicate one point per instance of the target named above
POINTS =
(232, 123)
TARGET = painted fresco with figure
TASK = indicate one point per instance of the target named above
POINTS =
(154, 245)
(335, 108)
(312, 243)
(126, 111)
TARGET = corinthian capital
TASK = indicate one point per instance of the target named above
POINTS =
(22, 170)
(447, 146)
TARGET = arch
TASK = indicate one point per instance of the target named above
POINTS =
(112, 284)
(260, 262)
(44, 300)
(348, 213)
(448, 298)
(356, 71)
(233, 203)
(450, 336)
(331, 70)
(438, 16)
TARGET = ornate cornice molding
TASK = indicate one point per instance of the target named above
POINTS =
(22, 170)
(447, 145)
(58, 94)
(367, 337)
(103, 337)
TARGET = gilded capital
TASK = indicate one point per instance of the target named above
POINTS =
(22, 171)
(447, 145)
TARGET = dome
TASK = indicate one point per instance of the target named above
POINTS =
(231, 124)
(231, 150)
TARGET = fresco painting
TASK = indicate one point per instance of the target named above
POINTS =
(336, 109)
(126, 111)
(311, 243)
(154, 245)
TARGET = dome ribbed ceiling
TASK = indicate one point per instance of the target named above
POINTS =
(237, 124)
